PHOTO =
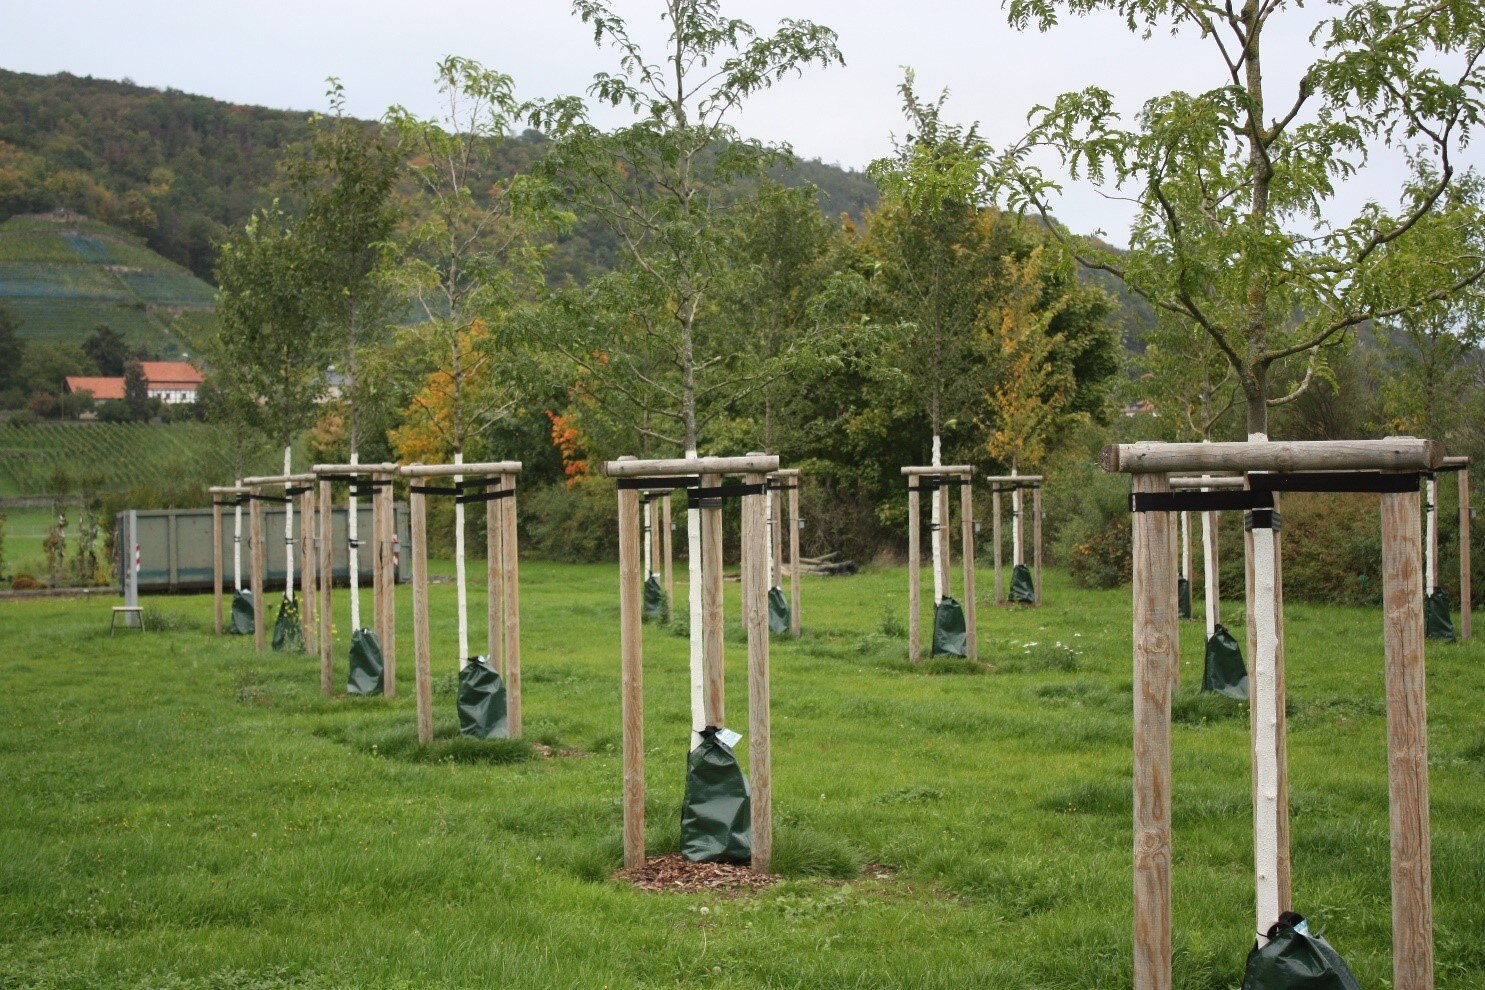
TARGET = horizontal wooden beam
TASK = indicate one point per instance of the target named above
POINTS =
(474, 468)
(228, 490)
(270, 480)
(630, 467)
(1391, 454)
(1455, 464)
(787, 472)
(1225, 481)
(954, 469)
(357, 469)
(1030, 479)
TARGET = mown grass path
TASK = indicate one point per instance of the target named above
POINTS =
(179, 812)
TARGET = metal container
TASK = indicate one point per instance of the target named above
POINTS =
(175, 547)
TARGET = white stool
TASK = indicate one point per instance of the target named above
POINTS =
(130, 611)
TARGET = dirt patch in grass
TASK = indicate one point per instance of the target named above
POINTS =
(672, 873)
(545, 752)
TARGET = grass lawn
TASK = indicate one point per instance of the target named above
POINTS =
(25, 531)
(180, 812)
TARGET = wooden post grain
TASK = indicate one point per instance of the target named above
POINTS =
(631, 649)
(308, 580)
(327, 583)
(258, 558)
(389, 586)
(422, 662)
(915, 552)
(1155, 635)
(1036, 541)
(995, 526)
(667, 553)
(713, 631)
(795, 572)
(967, 534)
(755, 597)
(945, 538)
(776, 535)
(1466, 625)
(1407, 744)
(216, 561)
(510, 584)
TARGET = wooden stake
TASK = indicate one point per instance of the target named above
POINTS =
(995, 525)
(421, 660)
(946, 539)
(216, 562)
(1036, 542)
(776, 535)
(511, 606)
(915, 553)
(1407, 745)
(795, 575)
(389, 588)
(631, 649)
(494, 570)
(327, 583)
(1466, 626)
(308, 580)
(967, 534)
(667, 555)
(259, 565)
(1156, 632)
(760, 770)
(712, 628)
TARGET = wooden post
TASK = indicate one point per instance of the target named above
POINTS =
(327, 583)
(967, 534)
(388, 587)
(1407, 745)
(1036, 542)
(216, 561)
(421, 661)
(1211, 607)
(494, 570)
(946, 538)
(794, 569)
(1156, 632)
(1466, 626)
(511, 606)
(259, 564)
(308, 599)
(1431, 537)
(667, 555)
(915, 552)
(995, 525)
(755, 596)
(712, 628)
(631, 649)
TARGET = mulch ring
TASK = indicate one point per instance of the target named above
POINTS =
(545, 752)
(672, 873)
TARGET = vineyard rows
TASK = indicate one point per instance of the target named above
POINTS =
(118, 455)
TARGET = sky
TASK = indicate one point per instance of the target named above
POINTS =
(278, 54)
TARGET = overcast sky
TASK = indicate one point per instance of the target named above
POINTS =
(278, 54)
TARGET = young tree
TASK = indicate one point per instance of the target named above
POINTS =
(658, 184)
(1234, 186)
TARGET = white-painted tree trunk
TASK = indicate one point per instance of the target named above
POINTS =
(289, 527)
(773, 511)
(1018, 549)
(693, 610)
(936, 528)
(1431, 539)
(1209, 568)
(647, 531)
(1266, 717)
(353, 552)
(237, 543)
(461, 589)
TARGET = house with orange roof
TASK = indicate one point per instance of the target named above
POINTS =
(172, 382)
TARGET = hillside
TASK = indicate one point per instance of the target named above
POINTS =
(62, 275)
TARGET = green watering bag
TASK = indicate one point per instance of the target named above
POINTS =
(366, 664)
(1023, 591)
(288, 634)
(482, 701)
(1225, 672)
(778, 611)
(1437, 622)
(242, 614)
(1183, 598)
(1293, 959)
(948, 629)
(654, 599)
(717, 813)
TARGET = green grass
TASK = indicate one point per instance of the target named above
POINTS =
(25, 529)
(181, 812)
(63, 278)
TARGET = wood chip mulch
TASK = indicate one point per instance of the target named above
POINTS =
(672, 873)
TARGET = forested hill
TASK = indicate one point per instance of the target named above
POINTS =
(180, 170)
